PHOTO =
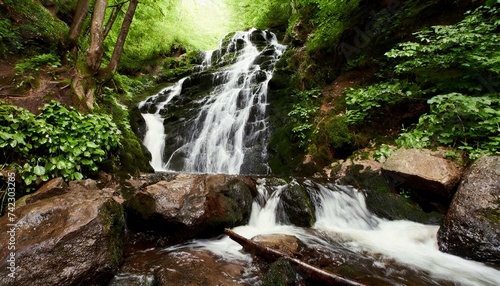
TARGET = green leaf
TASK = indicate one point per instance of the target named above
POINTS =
(39, 170)
(61, 165)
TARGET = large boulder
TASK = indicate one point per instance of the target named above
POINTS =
(191, 205)
(428, 176)
(73, 238)
(471, 228)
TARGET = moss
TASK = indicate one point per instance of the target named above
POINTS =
(296, 207)
(490, 214)
(382, 201)
(39, 30)
(280, 273)
(113, 220)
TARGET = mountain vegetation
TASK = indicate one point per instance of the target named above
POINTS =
(357, 75)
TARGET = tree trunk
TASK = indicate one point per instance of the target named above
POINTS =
(311, 271)
(82, 7)
(116, 10)
(95, 51)
(127, 21)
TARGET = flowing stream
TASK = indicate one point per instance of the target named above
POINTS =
(390, 252)
(215, 121)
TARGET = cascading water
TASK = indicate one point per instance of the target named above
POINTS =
(228, 131)
(391, 252)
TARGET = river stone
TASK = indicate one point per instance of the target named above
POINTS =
(471, 228)
(192, 205)
(71, 239)
(295, 206)
(429, 177)
(287, 244)
(193, 267)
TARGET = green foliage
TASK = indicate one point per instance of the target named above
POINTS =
(27, 70)
(469, 123)
(455, 67)
(58, 142)
(39, 30)
(330, 19)
(363, 103)
(382, 153)
(261, 14)
(10, 41)
(302, 114)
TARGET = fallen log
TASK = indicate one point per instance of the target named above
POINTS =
(309, 270)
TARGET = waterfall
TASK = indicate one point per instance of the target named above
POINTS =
(226, 129)
(154, 139)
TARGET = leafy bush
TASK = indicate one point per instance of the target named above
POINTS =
(469, 123)
(363, 102)
(302, 113)
(455, 67)
(58, 142)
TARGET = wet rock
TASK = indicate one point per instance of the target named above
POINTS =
(471, 228)
(281, 273)
(52, 188)
(295, 206)
(192, 205)
(181, 267)
(287, 244)
(70, 239)
(380, 199)
(431, 179)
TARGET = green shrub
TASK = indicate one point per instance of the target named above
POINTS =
(302, 114)
(455, 67)
(364, 103)
(60, 142)
(469, 123)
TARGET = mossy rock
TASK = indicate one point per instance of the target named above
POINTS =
(295, 206)
(280, 273)
(384, 203)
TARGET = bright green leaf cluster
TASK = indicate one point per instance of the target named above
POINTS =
(302, 114)
(469, 123)
(363, 103)
(59, 142)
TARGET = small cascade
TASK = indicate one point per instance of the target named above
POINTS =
(215, 120)
(154, 139)
(391, 252)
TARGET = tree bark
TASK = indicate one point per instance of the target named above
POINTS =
(311, 271)
(82, 7)
(95, 51)
(127, 21)
(116, 10)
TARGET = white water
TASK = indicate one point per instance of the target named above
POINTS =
(219, 144)
(342, 216)
(154, 139)
(233, 117)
